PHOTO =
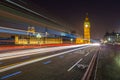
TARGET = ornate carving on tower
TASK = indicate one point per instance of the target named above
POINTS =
(86, 30)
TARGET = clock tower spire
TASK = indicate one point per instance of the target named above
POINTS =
(87, 30)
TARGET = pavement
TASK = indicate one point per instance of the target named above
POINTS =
(59, 64)
(109, 63)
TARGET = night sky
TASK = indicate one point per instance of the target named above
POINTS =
(104, 14)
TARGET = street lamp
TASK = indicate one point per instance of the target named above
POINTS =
(109, 39)
(38, 36)
(45, 37)
(117, 36)
(71, 40)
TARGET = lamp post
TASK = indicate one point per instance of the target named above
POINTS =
(109, 39)
(117, 37)
(46, 33)
(38, 36)
(71, 40)
(28, 38)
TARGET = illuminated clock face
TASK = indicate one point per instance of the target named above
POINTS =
(86, 25)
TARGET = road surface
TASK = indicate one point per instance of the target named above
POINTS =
(56, 63)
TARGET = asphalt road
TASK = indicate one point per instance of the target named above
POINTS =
(53, 65)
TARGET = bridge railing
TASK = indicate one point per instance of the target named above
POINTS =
(90, 69)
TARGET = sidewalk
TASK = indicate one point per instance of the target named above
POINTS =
(109, 63)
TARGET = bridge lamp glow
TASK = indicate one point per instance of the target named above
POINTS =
(105, 41)
(117, 35)
(71, 39)
(109, 39)
(96, 44)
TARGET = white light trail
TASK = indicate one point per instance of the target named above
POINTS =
(12, 29)
(30, 10)
(9, 67)
(14, 54)
(96, 44)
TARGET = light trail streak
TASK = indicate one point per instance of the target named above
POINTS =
(16, 65)
(12, 29)
(30, 10)
(16, 54)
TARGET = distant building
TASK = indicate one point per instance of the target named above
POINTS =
(79, 41)
(111, 37)
(86, 36)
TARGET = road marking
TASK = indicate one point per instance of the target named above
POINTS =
(61, 56)
(87, 54)
(47, 62)
(25, 57)
(75, 64)
(16, 65)
(71, 53)
(10, 75)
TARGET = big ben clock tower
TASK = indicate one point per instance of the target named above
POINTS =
(86, 30)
